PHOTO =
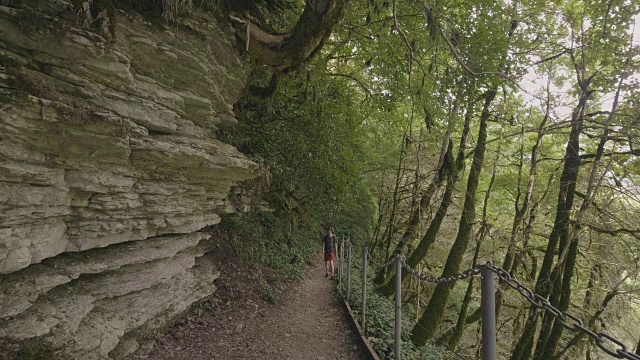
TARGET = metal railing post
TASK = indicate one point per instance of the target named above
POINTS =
(348, 270)
(364, 288)
(341, 264)
(488, 306)
(398, 324)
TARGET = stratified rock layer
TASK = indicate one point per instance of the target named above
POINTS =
(109, 169)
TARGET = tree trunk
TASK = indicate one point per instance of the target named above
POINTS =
(456, 335)
(379, 279)
(520, 211)
(452, 169)
(528, 228)
(429, 238)
(376, 231)
(286, 52)
(593, 277)
(425, 200)
(480, 236)
(601, 309)
(432, 316)
(560, 230)
(569, 263)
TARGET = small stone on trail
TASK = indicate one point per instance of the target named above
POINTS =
(287, 335)
(238, 328)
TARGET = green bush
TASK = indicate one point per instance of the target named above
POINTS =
(271, 240)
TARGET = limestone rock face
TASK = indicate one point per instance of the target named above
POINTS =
(109, 170)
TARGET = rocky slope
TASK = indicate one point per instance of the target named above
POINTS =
(109, 170)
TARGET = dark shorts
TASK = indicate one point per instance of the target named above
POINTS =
(329, 256)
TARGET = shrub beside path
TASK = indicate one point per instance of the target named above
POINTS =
(306, 322)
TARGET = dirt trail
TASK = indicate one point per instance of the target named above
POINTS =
(306, 322)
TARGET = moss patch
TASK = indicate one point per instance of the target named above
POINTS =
(31, 350)
(32, 20)
(22, 83)
(76, 113)
(9, 63)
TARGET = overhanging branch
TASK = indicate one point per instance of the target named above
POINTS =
(286, 52)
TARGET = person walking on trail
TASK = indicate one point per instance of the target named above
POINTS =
(329, 246)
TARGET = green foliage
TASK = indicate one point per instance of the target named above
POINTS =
(352, 137)
(268, 295)
(309, 136)
(269, 239)
(351, 140)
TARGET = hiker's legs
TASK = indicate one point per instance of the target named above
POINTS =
(326, 267)
(333, 272)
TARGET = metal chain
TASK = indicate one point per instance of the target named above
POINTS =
(424, 277)
(442, 279)
(604, 341)
(380, 265)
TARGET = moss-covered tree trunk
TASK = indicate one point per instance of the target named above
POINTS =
(528, 229)
(560, 232)
(425, 200)
(520, 211)
(380, 276)
(452, 169)
(456, 334)
(611, 294)
(571, 254)
(429, 238)
(480, 236)
(376, 230)
(426, 326)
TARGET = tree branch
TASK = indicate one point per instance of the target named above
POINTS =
(358, 81)
(288, 51)
(635, 152)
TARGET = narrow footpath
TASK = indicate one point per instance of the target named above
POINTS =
(306, 322)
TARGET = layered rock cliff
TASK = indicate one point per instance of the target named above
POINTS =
(109, 170)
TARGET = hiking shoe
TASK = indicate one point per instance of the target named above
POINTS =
(326, 274)
(332, 278)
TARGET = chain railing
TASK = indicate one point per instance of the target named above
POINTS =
(605, 342)
(442, 279)
(380, 265)
(569, 321)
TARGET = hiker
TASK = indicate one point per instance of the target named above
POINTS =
(329, 246)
